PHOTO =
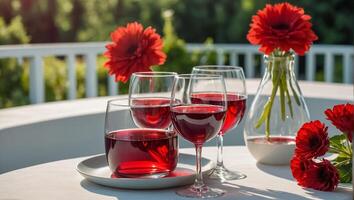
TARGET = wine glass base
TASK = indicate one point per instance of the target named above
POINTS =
(202, 192)
(223, 174)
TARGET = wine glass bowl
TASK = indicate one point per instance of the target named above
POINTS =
(150, 95)
(236, 105)
(236, 96)
(151, 112)
(198, 122)
(209, 119)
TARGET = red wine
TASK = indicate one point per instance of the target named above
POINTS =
(141, 152)
(198, 123)
(236, 106)
(151, 112)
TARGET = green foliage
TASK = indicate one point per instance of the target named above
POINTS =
(178, 58)
(12, 90)
(225, 21)
(14, 33)
(54, 79)
(340, 146)
(332, 20)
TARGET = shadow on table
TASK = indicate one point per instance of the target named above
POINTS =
(234, 191)
(343, 191)
(123, 194)
(282, 171)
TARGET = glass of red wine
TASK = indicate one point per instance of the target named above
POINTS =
(133, 152)
(198, 123)
(150, 96)
(236, 104)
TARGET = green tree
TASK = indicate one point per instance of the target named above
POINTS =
(12, 90)
(226, 21)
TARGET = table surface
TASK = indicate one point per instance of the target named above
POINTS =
(60, 180)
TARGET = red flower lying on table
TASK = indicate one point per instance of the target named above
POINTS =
(312, 142)
(342, 116)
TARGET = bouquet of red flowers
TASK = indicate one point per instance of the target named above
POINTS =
(309, 167)
(281, 30)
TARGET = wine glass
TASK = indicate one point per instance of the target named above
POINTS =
(133, 152)
(236, 104)
(198, 123)
(150, 95)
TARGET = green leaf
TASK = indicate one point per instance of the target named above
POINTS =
(337, 138)
(344, 156)
(345, 172)
(333, 150)
(341, 160)
(337, 142)
(343, 164)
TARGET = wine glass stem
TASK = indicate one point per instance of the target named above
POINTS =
(220, 162)
(198, 184)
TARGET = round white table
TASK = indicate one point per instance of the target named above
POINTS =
(60, 180)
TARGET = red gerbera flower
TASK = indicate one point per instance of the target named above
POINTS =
(282, 26)
(342, 116)
(312, 140)
(299, 167)
(133, 49)
(322, 176)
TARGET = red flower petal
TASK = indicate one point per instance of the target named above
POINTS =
(312, 140)
(322, 176)
(281, 26)
(342, 117)
(298, 167)
(133, 49)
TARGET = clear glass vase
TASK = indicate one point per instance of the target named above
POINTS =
(277, 112)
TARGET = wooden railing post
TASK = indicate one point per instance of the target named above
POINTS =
(348, 65)
(328, 67)
(91, 76)
(233, 58)
(310, 66)
(249, 67)
(112, 86)
(70, 60)
(36, 80)
(220, 57)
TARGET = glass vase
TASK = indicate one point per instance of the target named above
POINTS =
(277, 112)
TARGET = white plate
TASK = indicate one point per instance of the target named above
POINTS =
(95, 169)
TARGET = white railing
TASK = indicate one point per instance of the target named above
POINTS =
(90, 51)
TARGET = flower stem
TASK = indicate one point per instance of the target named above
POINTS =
(282, 95)
(296, 97)
(278, 68)
(288, 97)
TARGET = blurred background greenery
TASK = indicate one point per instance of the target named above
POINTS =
(193, 21)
